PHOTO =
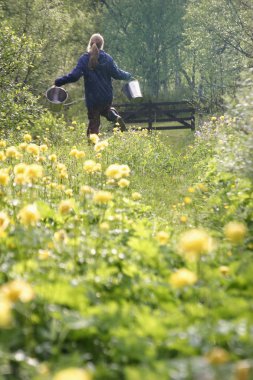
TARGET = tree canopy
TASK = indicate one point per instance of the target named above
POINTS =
(183, 50)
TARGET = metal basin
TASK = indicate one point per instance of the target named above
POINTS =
(56, 97)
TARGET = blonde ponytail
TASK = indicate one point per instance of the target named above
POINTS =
(95, 44)
(93, 60)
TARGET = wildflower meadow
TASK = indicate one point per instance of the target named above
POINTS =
(128, 258)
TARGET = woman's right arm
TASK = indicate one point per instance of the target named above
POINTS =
(75, 74)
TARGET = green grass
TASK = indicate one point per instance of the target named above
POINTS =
(168, 186)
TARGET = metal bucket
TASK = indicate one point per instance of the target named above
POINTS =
(56, 97)
(132, 90)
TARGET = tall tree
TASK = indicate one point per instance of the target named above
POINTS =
(218, 45)
(61, 29)
(144, 37)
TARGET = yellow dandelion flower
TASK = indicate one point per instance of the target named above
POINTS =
(183, 219)
(41, 159)
(73, 152)
(202, 187)
(123, 182)
(125, 170)
(85, 189)
(4, 221)
(5, 312)
(60, 236)
(162, 237)
(235, 232)
(29, 215)
(34, 171)
(60, 187)
(4, 177)
(2, 156)
(43, 148)
(97, 167)
(102, 197)
(52, 185)
(20, 168)
(52, 157)
(136, 196)
(33, 149)
(65, 206)
(218, 356)
(19, 156)
(224, 270)
(111, 181)
(72, 374)
(191, 189)
(101, 145)
(22, 146)
(11, 152)
(20, 179)
(104, 226)
(63, 174)
(27, 138)
(60, 166)
(80, 154)
(114, 171)
(195, 242)
(69, 192)
(3, 143)
(94, 138)
(46, 179)
(17, 290)
(44, 254)
(183, 277)
(91, 166)
(187, 200)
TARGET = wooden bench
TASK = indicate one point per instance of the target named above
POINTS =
(182, 113)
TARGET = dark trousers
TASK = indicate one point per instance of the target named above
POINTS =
(94, 114)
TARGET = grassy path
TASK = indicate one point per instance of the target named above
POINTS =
(168, 186)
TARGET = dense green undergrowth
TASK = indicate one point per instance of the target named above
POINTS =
(130, 257)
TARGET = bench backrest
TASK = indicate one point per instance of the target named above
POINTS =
(181, 113)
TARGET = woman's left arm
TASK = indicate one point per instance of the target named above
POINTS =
(117, 73)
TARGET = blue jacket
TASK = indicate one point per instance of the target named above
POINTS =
(98, 81)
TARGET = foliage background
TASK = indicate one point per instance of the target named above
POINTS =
(184, 50)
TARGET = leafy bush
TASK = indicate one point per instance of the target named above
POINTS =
(18, 107)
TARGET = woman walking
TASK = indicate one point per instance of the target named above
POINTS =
(98, 68)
